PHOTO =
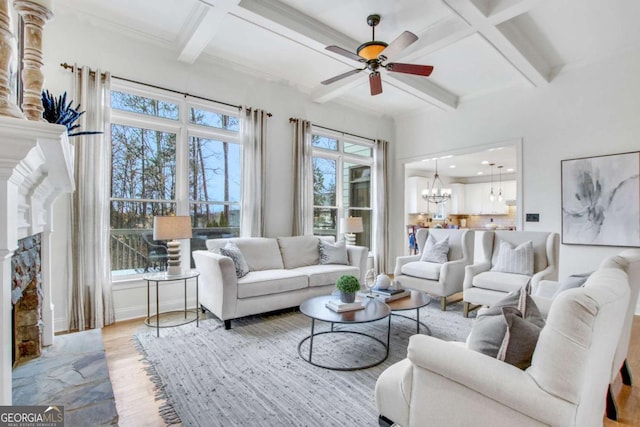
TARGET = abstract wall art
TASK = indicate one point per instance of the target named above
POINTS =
(601, 200)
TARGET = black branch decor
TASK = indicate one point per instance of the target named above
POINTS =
(56, 110)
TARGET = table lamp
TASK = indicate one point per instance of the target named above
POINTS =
(172, 228)
(350, 226)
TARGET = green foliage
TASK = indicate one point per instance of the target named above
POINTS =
(348, 284)
(56, 110)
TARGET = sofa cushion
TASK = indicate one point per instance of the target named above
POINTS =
(299, 251)
(517, 260)
(232, 251)
(435, 251)
(321, 275)
(261, 253)
(504, 282)
(422, 269)
(267, 282)
(333, 253)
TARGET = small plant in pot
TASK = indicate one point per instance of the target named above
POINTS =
(348, 286)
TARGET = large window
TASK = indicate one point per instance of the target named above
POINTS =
(342, 186)
(170, 155)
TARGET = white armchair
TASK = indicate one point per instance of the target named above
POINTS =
(482, 286)
(440, 280)
(629, 260)
(444, 383)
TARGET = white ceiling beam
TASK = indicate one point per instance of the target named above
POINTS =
(202, 28)
(423, 89)
(498, 11)
(527, 61)
(439, 35)
(288, 22)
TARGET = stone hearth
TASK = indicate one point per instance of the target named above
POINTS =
(26, 295)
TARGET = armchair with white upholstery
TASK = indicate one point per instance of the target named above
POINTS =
(629, 259)
(445, 383)
(483, 286)
(440, 280)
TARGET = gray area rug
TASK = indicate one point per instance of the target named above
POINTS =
(73, 372)
(252, 374)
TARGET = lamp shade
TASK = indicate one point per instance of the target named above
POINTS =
(171, 227)
(351, 225)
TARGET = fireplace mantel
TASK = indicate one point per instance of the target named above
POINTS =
(36, 166)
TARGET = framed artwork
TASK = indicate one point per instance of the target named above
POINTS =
(601, 200)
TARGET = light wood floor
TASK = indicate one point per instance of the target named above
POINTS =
(138, 408)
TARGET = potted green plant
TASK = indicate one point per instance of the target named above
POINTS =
(348, 286)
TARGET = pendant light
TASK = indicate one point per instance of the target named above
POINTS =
(500, 198)
(492, 196)
(437, 193)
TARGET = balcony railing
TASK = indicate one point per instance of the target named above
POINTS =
(134, 250)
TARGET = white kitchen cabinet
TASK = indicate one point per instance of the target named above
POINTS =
(457, 205)
(413, 194)
(478, 201)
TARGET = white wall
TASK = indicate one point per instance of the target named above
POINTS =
(585, 111)
(69, 38)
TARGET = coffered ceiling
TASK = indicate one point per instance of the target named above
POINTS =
(476, 46)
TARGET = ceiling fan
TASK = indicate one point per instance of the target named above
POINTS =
(375, 53)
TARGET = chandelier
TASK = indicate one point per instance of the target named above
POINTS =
(436, 193)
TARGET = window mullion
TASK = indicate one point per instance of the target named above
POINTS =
(182, 163)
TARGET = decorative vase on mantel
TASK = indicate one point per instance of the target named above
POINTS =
(35, 14)
(7, 50)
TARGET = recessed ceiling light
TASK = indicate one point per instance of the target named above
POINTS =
(510, 170)
(484, 162)
(480, 173)
(446, 157)
(496, 149)
(425, 160)
(452, 166)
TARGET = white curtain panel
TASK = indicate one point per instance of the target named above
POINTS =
(254, 140)
(91, 300)
(302, 178)
(381, 206)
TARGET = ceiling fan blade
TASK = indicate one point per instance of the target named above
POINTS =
(375, 83)
(400, 43)
(418, 70)
(344, 52)
(341, 76)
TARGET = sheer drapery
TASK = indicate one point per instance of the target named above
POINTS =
(254, 140)
(302, 178)
(91, 300)
(381, 206)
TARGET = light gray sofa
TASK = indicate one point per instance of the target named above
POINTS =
(283, 272)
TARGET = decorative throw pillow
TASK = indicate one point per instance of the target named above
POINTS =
(517, 260)
(333, 253)
(232, 251)
(519, 340)
(506, 336)
(435, 251)
(573, 281)
(521, 300)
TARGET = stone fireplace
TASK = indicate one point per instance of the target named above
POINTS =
(36, 167)
(26, 296)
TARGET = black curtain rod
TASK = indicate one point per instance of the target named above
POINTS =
(67, 66)
(291, 119)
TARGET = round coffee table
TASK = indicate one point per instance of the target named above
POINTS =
(315, 309)
(415, 301)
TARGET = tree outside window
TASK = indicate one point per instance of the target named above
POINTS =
(149, 137)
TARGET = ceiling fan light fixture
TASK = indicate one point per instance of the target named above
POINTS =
(371, 50)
